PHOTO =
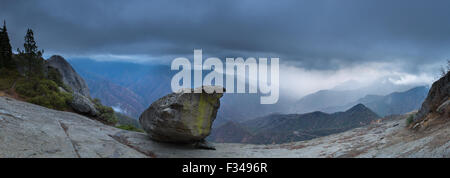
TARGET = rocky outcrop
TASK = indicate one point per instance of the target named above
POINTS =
(83, 105)
(184, 117)
(81, 102)
(69, 76)
(437, 96)
(444, 108)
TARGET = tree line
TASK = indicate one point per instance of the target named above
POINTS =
(29, 59)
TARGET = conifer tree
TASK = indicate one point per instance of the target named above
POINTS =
(32, 54)
(1, 48)
(30, 45)
(5, 49)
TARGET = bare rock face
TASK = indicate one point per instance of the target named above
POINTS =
(69, 76)
(182, 117)
(82, 104)
(31, 131)
(444, 108)
(436, 99)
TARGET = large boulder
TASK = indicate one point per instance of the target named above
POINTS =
(182, 117)
(437, 96)
(83, 105)
(68, 74)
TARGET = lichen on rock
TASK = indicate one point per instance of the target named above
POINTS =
(182, 117)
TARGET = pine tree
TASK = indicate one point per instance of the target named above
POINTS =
(1, 48)
(5, 49)
(32, 54)
(30, 44)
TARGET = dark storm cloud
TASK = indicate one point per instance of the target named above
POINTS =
(317, 34)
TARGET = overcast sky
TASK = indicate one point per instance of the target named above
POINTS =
(411, 36)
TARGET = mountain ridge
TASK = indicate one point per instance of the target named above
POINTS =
(391, 104)
(281, 128)
(339, 96)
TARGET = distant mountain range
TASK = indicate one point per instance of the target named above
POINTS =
(127, 87)
(340, 96)
(283, 128)
(394, 103)
(122, 99)
(280, 128)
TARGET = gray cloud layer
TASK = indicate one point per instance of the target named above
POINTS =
(319, 34)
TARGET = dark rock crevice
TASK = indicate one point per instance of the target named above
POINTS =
(74, 144)
(125, 142)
